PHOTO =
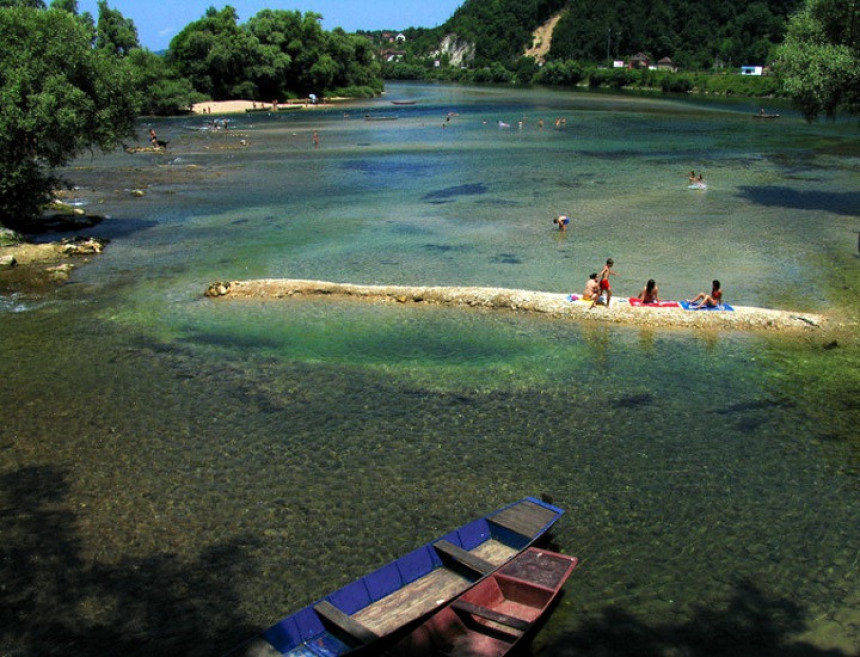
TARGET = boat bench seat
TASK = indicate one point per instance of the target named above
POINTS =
(489, 614)
(344, 622)
(464, 558)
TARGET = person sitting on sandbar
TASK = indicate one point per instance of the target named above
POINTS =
(711, 300)
(650, 293)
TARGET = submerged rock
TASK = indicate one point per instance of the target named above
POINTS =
(218, 289)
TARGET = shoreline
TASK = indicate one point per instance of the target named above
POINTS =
(38, 268)
(211, 107)
(743, 318)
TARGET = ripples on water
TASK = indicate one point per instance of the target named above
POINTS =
(179, 473)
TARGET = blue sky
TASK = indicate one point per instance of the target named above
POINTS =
(158, 21)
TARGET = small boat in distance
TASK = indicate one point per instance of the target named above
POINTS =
(765, 115)
(371, 117)
(496, 615)
(382, 605)
(403, 102)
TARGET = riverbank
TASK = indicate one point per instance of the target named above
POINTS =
(242, 106)
(742, 318)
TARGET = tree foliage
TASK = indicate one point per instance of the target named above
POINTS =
(114, 32)
(734, 32)
(70, 6)
(500, 29)
(275, 55)
(819, 63)
(162, 90)
(31, 4)
(58, 98)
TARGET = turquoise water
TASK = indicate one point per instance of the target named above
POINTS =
(179, 473)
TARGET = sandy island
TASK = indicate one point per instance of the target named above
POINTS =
(743, 318)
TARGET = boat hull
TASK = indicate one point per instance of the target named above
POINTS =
(376, 609)
(496, 615)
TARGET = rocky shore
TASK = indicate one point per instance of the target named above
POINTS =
(743, 318)
(29, 267)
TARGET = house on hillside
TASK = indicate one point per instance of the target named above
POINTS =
(391, 55)
(666, 64)
(751, 70)
(639, 60)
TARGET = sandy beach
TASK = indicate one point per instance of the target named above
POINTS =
(742, 318)
(241, 106)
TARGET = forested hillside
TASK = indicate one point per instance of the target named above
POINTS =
(730, 32)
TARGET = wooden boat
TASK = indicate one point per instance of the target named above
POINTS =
(496, 615)
(403, 102)
(381, 605)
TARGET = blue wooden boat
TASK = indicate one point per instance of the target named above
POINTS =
(376, 609)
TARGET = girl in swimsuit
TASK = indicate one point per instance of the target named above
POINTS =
(649, 293)
(710, 300)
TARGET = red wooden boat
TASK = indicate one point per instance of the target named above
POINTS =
(496, 614)
(377, 609)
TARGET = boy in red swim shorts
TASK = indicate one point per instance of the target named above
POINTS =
(605, 287)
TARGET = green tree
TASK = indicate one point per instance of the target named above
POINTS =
(277, 54)
(32, 4)
(819, 62)
(114, 32)
(162, 90)
(217, 55)
(70, 6)
(58, 98)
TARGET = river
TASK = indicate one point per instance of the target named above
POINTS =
(179, 473)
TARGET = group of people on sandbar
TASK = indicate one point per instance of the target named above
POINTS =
(651, 294)
(598, 290)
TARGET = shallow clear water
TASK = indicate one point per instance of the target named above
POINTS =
(179, 473)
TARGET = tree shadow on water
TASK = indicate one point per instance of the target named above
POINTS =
(845, 203)
(53, 602)
(752, 625)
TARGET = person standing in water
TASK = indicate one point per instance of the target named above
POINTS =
(562, 220)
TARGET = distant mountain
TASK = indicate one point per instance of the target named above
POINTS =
(693, 35)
